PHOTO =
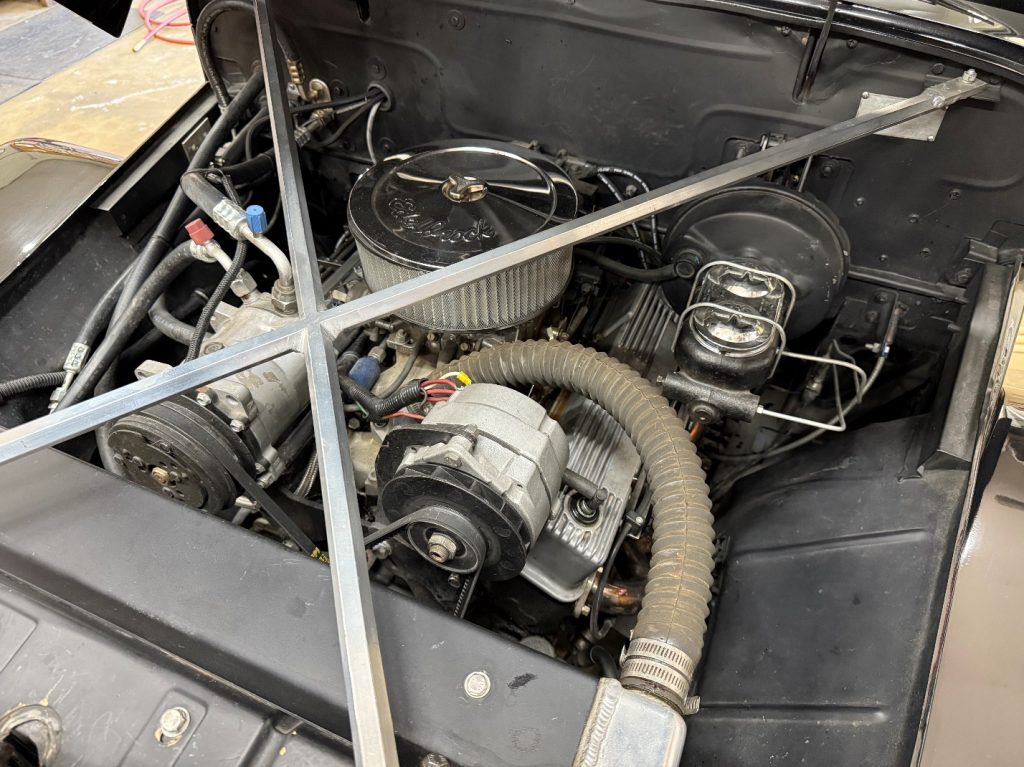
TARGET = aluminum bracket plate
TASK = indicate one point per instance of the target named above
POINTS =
(923, 128)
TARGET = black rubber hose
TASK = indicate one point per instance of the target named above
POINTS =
(596, 631)
(168, 325)
(142, 345)
(658, 274)
(124, 326)
(629, 242)
(164, 234)
(250, 171)
(668, 639)
(203, 323)
(100, 315)
(24, 384)
(353, 351)
(583, 486)
(235, 151)
(378, 407)
(293, 445)
(203, 26)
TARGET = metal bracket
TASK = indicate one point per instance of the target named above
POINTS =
(923, 128)
(195, 137)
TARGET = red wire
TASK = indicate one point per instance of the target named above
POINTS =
(404, 414)
(440, 382)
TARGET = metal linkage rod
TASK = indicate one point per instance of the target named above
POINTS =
(373, 733)
(58, 427)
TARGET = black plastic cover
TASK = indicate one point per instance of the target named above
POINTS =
(227, 606)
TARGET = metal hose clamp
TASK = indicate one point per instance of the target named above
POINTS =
(659, 669)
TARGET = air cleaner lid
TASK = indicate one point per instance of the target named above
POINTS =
(439, 204)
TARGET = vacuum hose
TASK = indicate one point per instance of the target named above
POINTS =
(669, 635)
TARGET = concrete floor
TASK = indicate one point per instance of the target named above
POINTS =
(63, 79)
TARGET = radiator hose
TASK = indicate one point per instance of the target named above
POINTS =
(669, 635)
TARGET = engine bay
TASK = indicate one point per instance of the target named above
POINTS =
(599, 452)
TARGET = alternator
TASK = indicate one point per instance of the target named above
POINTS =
(474, 483)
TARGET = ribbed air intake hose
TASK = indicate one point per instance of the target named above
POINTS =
(669, 635)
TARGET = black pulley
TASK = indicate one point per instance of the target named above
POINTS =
(480, 515)
(160, 447)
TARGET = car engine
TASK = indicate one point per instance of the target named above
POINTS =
(637, 450)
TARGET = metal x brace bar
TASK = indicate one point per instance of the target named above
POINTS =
(317, 326)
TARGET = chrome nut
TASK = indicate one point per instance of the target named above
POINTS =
(441, 548)
(243, 284)
(283, 298)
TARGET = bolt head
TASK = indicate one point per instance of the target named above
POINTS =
(173, 724)
(434, 760)
(236, 425)
(441, 548)
(243, 284)
(283, 298)
(454, 580)
(477, 684)
(970, 76)
(456, 20)
(203, 399)
(963, 276)
(161, 475)
(702, 412)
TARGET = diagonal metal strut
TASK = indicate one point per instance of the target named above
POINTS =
(64, 424)
(317, 326)
(373, 733)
